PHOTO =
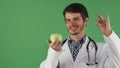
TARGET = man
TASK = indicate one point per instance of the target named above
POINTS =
(79, 50)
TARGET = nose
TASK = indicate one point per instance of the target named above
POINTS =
(73, 22)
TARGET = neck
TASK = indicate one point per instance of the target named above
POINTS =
(77, 37)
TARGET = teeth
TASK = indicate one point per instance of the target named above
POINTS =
(73, 28)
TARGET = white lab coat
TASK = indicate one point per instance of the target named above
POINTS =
(108, 55)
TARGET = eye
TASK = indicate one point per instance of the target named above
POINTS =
(76, 19)
(67, 20)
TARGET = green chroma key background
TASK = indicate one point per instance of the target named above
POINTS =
(25, 26)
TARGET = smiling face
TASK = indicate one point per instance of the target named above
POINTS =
(75, 23)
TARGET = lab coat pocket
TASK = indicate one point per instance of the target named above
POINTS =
(84, 64)
(87, 64)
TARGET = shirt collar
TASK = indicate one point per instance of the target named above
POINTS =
(81, 41)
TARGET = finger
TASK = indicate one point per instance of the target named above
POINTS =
(60, 43)
(57, 43)
(108, 19)
(101, 18)
(99, 24)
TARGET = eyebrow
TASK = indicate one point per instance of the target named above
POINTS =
(74, 17)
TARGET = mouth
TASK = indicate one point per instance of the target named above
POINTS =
(73, 28)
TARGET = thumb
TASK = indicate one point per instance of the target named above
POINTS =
(108, 21)
(98, 24)
(49, 41)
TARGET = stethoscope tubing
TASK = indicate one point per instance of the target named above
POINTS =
(87, 48)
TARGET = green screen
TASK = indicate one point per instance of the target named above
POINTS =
(26, 25)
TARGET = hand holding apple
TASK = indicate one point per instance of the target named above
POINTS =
(55, 42)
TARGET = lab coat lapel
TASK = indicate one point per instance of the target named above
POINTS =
(66, 51)
(82, 52)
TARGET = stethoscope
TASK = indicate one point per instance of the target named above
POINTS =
(89, 63)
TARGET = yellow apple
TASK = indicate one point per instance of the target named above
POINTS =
(55, 37)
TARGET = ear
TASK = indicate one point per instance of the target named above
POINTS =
(86, 21)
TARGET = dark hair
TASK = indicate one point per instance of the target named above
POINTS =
(77, 8)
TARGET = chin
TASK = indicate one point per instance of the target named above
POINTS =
(74, 33)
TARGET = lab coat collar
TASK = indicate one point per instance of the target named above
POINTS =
(82, 52)
(66, 51)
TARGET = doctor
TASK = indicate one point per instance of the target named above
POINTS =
(79, 50)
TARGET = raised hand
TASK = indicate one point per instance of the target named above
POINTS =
(104, 25)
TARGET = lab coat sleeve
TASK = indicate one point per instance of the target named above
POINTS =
(51, 60)
(113, 43)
